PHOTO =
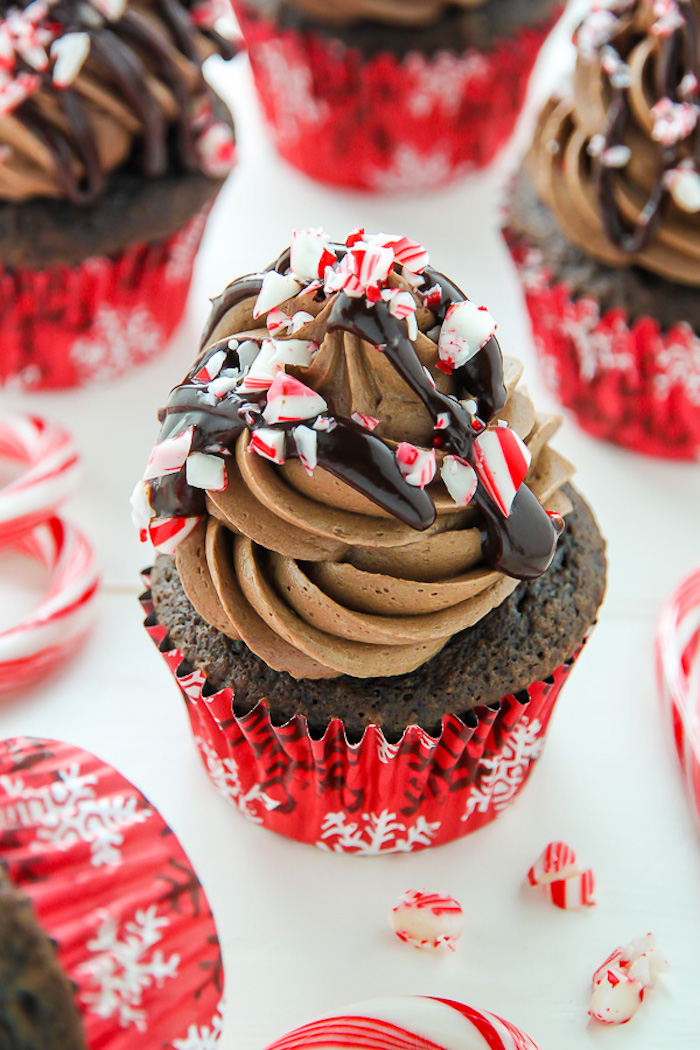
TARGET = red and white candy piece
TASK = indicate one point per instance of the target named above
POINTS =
(459, 479)
(306, 441)
(673, 121)
(678, 673)
(276, 288)
(403, 306)
(406, 1023)
(619, 985)
(369, 422)
(417, 465)
(166, 534)
(427, 920)
(216, 149)
(557, 872)
(289, 400)
(683, 183)
(52, 464)
(203, 471)
(268, 443)
(167, 457)
(53, 631)
(310, 254)
(466, 329)
(411, 255)
(502, 461)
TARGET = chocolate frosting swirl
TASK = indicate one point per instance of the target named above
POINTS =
(390, 12)
(617, 158)
(82, 94)
(346, 569)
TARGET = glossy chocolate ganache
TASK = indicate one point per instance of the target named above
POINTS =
(618, 159)
(350, 474)
(87, 86)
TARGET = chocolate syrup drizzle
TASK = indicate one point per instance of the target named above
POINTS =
(117, 47)
(678, 58)
(521, 545)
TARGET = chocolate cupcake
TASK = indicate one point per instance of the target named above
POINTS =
(392, 95)
(112, 149)
(604, 225)
(371, 608)
(37, 1007)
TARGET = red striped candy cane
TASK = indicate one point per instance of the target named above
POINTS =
(678, 670)
(54, 629)
(51, 472)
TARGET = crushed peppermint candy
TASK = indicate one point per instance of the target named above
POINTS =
(557, 872)
(417, 465)
(620, 984)
(673, 121)
(467, 328)
(427, 921)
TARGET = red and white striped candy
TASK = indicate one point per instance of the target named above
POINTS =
(459, 479)
(427, 920)
(408, 253)
(212, 368)
(268, 443)
(620, 983)
(167, 457)
(501, 460)
(370, 422)
(405, 1023)
(306, 441)
(276, 288)
(56, 627)
(678, 672)
(278, 321)
(166, 534)
(403, 306)
(556, 871)
(289, 400)
(52, 463)
(417, 465)
(466, 329)
(310, 254)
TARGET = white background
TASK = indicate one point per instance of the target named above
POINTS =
(303, 931)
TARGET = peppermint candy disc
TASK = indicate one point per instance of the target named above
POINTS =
(427, 920)
(51, 460)
(406, 1023)
(57, 626)
(678, 669)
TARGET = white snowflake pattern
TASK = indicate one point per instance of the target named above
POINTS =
(67, 811)
(26, 379)
(290, 85)
(598, 351)
(503, 775)
(442, 81)
(205, 1037)
(374, 833)
(532, 271)
(183, 249)
(408, 170)
(124, 968)
(679, 366)
(224, 774)
(386, 751)
(117, 340)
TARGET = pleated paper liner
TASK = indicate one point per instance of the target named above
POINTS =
(626, 382)
(386, 123)
(375, 796)
(111, 883)
(67, 326)
(678, 672)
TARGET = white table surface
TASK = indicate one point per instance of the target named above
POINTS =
(303, 931)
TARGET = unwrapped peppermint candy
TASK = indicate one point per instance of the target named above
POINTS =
(620, 983)
(557, 872)
(427, 920)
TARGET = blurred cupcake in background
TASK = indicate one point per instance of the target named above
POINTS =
(604, 225)
(112, 149)
(392, 95)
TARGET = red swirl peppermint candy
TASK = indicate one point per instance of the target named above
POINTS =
(427, 920)
(619, 985)
(557, 872)
(51, 474)
(502, 460)
(407, 1022)
(56, 627)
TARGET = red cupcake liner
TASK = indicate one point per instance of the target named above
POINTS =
(384, 123)
(372, 797)
(111, 883)
(71, 325)
(626, 381)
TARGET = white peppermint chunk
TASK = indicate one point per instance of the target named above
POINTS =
(288, 400)
(306, 441)
(465, 330)
(459, 479)
(69, 52)
(205, 472)
(276, 288)
(310, 254)
(169, 456)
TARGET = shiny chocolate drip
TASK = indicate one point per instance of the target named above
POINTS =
(521, 545)
(678, 60)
